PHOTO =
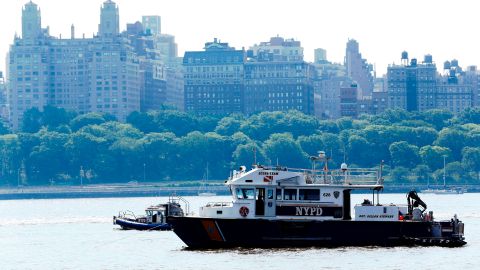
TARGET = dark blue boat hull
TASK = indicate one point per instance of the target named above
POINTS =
(133, 225)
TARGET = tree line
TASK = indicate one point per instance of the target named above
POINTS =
(56, 146)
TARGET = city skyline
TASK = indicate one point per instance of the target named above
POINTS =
(434, 28)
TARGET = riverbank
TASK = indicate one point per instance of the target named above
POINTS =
(140, 190)
(103, 191)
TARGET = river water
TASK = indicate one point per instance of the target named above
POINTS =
(78, 234)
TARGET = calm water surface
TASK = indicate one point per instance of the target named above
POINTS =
(78, 234)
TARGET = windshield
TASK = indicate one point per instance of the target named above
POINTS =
(245, 193)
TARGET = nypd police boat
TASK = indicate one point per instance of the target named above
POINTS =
(284, 207)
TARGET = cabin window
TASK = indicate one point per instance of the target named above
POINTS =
(290, 194)
(270, 194)
(279, 194)
(245, 193)
(309, 194)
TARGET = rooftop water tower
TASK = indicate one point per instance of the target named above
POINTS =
(404, 58)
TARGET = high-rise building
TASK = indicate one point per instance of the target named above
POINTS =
(3, 99)
(330, 78)
(472, 78)
(175, 87)
(214, 79)
(358, 69)
(109, 20)
(379, 102)
(320, 56)
(455, 90)
(98, 74)
(412, 85)
(160, 68)
(153, 89)
(31, 22)
(417, 86)
(278, 49)
(167, 49)
(152, 25)
(277, 78)
(349, 101)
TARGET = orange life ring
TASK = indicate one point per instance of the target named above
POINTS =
(243, 211)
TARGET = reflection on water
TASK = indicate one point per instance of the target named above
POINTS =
(78, 234)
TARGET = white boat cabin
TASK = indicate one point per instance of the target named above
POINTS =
(285, 193)
(156, 214)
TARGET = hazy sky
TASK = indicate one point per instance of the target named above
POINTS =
(384, 28)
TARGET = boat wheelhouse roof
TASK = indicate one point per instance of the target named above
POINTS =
(351, 178)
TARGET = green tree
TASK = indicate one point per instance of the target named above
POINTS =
(432, 156)
(10, 158)
(452, 139)
(143, 121)
(311, 144)
(48, 159)
(161, 154)
(404, 154)
(399, 175)
(244, 155)
(87, 119)
(229, 125)
(437, 117)
(128, 156)
(454, 174)
(53, 117)
(32, 120)
(422, 173)
(83, 149)
(359, 151)
(469, 115)
(471, 158)
(395, 115)
(286, 150)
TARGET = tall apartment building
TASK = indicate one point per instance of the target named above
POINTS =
(330, 78)
(455, 90)
(418, 86)
(277, 78)
(412, 85)
(349, 101)
(152, 25)
(358, 69)
(98, 74)
(214, 79)
(161, 73)
(472, 78)
(3, 99)
(271, 76)
(278, 49)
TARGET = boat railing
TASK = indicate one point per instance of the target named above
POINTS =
(357, 176)
(173, 198)
(127, 214)
(350, 176)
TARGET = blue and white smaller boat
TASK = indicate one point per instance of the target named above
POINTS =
(154, 218)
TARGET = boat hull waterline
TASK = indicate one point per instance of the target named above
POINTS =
(200, 233)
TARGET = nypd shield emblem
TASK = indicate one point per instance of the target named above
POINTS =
(336, 194)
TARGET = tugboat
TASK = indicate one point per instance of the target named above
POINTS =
(285, 207)
(154, 218)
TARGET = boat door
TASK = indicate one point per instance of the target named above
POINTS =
(270, 203)
(260, 202)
